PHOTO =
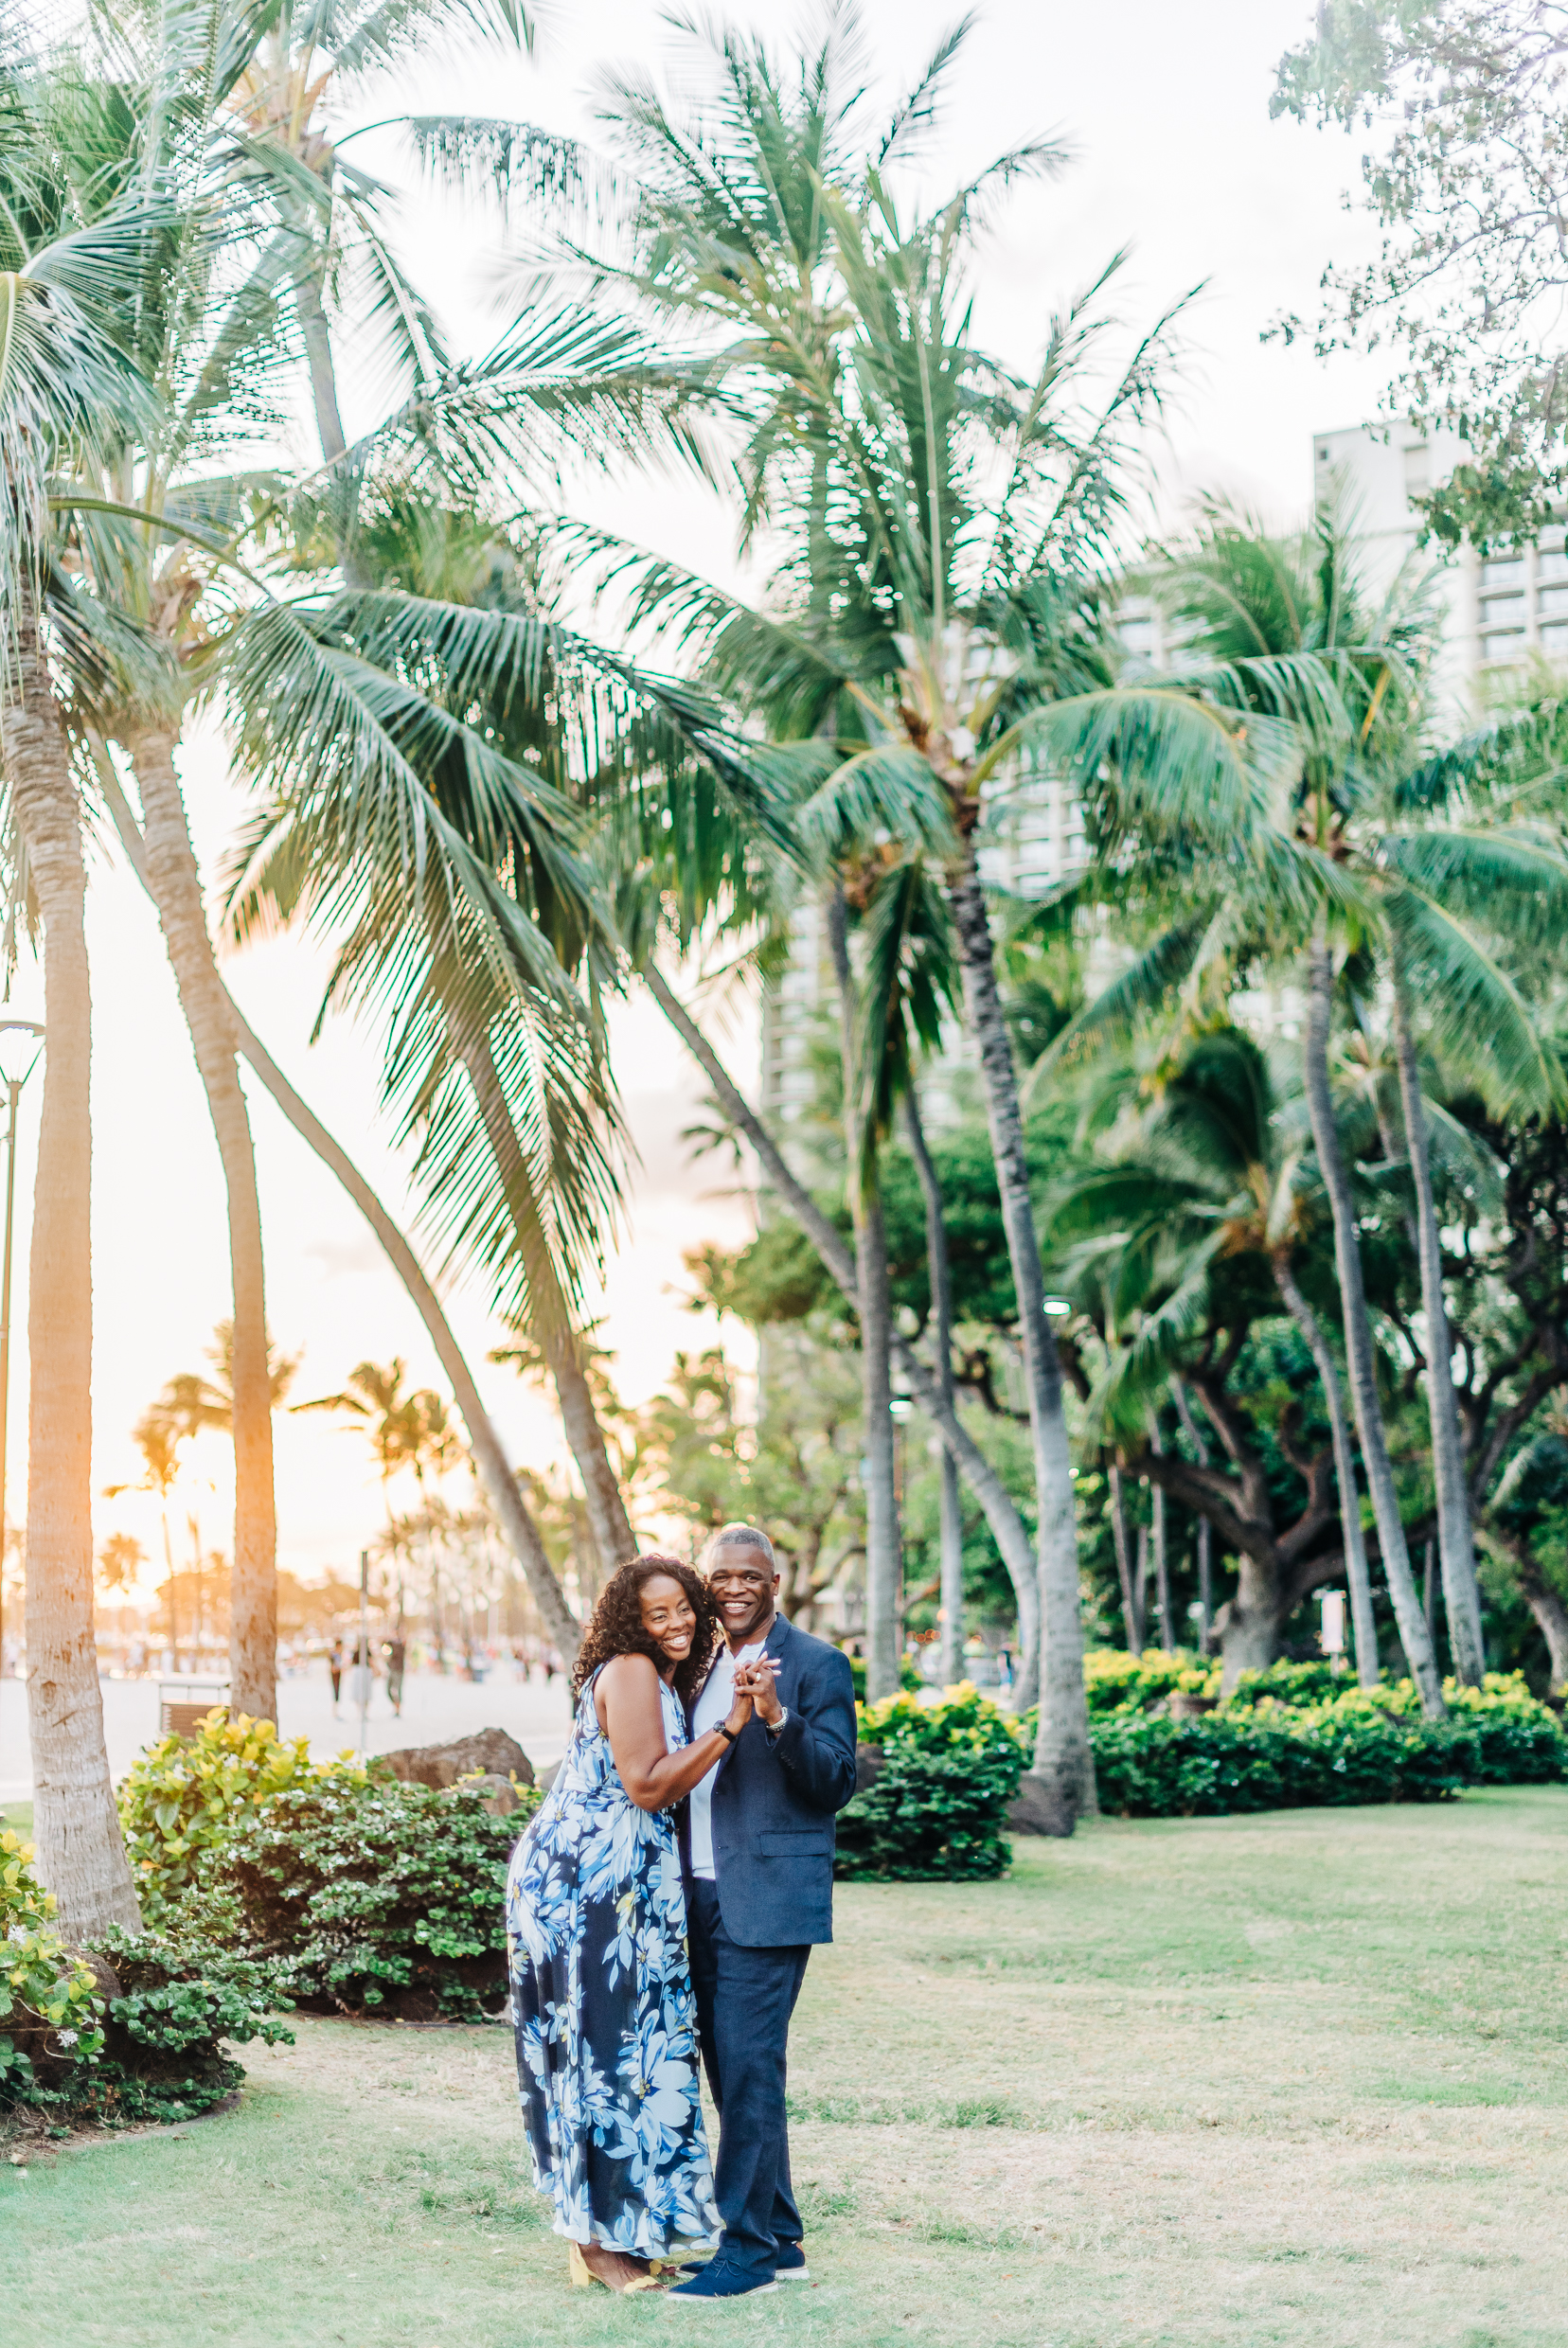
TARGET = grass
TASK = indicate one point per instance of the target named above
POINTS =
(1299, 2078)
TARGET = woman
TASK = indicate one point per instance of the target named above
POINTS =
(596, 1916)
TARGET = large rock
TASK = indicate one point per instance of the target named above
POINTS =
(489, 1753)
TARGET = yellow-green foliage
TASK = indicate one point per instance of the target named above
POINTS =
(962, 1718)
(187, 1794)
(1116, 1682)
(47, 1996)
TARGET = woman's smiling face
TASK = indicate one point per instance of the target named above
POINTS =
(668, 1616)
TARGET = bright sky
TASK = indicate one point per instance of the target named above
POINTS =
(1167, 111)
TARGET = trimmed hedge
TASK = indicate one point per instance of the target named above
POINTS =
(1223, 1765)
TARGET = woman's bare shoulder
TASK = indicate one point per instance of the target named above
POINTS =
(629, 1674)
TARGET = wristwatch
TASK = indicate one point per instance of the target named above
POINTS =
(775, 1728)
(729, 1735)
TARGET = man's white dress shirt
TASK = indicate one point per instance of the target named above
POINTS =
(713, 1707)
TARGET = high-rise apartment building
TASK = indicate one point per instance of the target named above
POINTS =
(1502, 609)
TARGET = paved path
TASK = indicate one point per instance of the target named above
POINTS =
(434, 1710)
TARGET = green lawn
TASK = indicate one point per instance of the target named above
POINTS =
(1297, 2078)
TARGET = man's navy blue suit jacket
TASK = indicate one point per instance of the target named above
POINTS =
(773, 1804)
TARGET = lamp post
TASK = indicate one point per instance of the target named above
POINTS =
(32, 1030)
(362, 1659)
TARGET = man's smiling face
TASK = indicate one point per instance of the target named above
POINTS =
(744, 1586)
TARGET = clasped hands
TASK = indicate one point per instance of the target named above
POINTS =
(756, 1680)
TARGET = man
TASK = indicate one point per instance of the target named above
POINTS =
(396, 1651)
(756, 1847)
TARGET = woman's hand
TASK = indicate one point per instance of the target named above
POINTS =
(740, 1713)
(758, 1681)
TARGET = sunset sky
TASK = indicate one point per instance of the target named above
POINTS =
(1176, 158)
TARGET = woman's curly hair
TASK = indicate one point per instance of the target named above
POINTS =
(615, 1626)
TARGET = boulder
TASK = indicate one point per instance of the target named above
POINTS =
(489, 1753)
(868, 1766)
(500, 1794)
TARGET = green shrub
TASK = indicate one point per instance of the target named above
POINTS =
(185, 1795)
(1518, 1740)
(1294, 1685)
(1228, 1763)
(1116, 1681)
(938, 1810)
(180, 1999)
(131, 2028)
(377, 1896)
(49, 2007)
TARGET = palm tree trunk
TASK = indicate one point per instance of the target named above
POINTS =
(1006, 1526)
(1063, 1764)
(80, 1853)
(511, 1509)
(1162, 1558)
(1550, 1614)
(1205, 1530)
(1455, 1537)
(950, 1538)
(176, 889)
(1131, 1613)
(1363, 1627)
(607, 1519)
(883, 1541)
(1358, 1338)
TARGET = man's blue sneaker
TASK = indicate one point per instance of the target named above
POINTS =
(790, 2263)
(718, 2278)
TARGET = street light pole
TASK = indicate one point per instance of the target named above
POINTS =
(364, 1658)
(13, 1095)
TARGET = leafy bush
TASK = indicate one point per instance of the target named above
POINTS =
(938, 1808)
(1238, 1762)
(130, 2028)
(1294, 1685)
(49, 1994)
(377, 1896)
(1116, 1681)
(179, 1999)
(1518, 1740)
(185, 1795)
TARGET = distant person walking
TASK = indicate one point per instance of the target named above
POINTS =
(395, 1653)
(360, 1676)
(334, 1665)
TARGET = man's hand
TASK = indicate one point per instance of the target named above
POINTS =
(757, 1679)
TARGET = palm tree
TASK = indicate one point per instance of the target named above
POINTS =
(157, 1437)
(939, 525)
(1202, 1174)
(62, 372)
(258, 219)
(1430, 862)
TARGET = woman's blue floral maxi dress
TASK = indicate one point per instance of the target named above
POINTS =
(606, 2020)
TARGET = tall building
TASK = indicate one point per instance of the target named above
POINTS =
(1501, 610)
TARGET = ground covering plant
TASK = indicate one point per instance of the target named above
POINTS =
(1232, 2083)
